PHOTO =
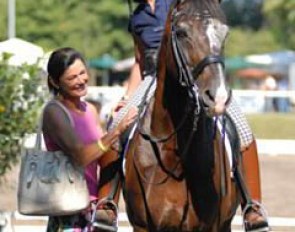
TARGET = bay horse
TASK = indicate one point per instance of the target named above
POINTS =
(177, 175)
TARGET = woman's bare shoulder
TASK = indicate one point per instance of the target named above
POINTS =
(92, 108)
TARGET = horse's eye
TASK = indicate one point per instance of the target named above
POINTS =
(181, 32)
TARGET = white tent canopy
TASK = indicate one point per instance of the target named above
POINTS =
(278, 61)
(22, 51)
(124, 65)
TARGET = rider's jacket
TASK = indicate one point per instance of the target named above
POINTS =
(149, 26)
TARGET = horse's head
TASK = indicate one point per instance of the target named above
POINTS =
(197, 33)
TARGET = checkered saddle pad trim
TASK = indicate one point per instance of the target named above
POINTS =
(148, 84)
(244, 131)
(233, 110)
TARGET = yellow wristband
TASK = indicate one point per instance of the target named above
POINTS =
(102, 146)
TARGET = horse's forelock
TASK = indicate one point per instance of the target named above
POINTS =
(203, 9)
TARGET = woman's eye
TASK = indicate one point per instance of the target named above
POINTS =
(70, 78)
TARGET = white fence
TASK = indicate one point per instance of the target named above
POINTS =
(276, 147)
(251, 101)
(255, 101)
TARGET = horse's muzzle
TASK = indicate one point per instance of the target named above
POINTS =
(215, 106)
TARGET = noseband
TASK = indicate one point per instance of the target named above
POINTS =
(186, 73)
(186, 79)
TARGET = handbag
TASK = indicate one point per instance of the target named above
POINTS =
(50, 183)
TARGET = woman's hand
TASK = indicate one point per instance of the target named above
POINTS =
(119, 106)
(128, 119)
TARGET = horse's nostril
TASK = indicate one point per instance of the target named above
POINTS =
(207, 92)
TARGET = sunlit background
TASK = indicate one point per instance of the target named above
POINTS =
(260, 67)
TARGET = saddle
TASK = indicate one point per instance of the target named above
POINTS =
(233, 136)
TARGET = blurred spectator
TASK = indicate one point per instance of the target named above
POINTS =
(269, 84)
(283, 103)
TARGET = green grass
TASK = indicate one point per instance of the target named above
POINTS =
(273, 125)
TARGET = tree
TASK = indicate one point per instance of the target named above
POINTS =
(94, 27)
(247, 14)
(3, 20)
(281, 20)
(21, 96)
(253, 42)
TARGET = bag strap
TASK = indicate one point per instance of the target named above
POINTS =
(39, 130)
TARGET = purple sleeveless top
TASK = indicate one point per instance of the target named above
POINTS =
(86, 129)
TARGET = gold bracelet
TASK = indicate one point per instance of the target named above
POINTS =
(102, 146)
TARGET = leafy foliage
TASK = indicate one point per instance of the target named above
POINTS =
(3, 20)
(94, 27)
(21, 96)
(246, 14)
(242, 42)
(281, 20)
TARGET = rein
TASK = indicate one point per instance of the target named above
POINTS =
(186, 79)
(187, 73)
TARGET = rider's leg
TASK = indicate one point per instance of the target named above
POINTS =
(105, 212)
(252, 171)
(254, 217)
(249, 180)
(109, 165)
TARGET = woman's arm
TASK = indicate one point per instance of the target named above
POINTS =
(57, 126)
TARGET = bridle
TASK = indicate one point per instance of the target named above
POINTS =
(186, 80)
(186, 75)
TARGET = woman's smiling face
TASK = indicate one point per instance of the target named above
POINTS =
(73, 82)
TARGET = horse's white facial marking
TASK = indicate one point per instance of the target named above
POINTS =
(221, 93)
(216, 33)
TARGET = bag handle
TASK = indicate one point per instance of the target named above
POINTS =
(39, 130)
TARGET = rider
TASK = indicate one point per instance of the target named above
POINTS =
(146, 25)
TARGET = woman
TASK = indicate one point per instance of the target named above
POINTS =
(67, 80)
(147, 25)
